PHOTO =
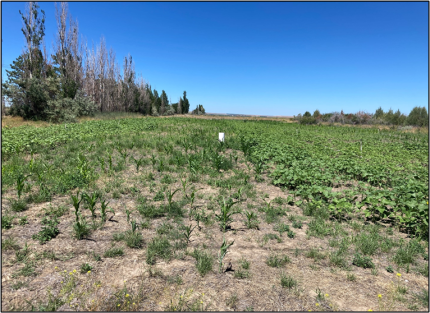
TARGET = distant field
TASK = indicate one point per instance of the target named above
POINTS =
(119, 213)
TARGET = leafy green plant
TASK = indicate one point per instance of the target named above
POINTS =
(223, 251)
(362, 261)
(138, 162)
(91, 202)
(85, 268)
(187, 232)
(225, 216)
(169, 195)
(49, 230)
(251, 220)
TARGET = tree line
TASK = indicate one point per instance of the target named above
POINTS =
(76, 80)
(417, 117)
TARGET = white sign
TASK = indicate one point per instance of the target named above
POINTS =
(221, 137)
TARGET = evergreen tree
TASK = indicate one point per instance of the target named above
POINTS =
(164, 102)
(418, 117)
(389, 116)
(180, 105)
(185, 104)
(379, 113)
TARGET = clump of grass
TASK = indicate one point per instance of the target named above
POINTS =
(281, 228)
(315, 254)
(241, 274)
(18, 205)
(351, 277)
(318, 228)
(6, 221)
(159, 247)
(277, 261)
(204, 261)
(423, 298)
(244, 263)
(114, 252)
(338, 258)
(362, 261)
(23, 221)
(297, 224)
(406, 254)
(268, 237)
(287, 281)
(9, 244)
(368, 244)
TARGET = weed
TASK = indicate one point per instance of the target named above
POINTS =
(338, 258)
(374, 272)
(318, 228)
(244, 263)
(367, 244)
(159, 196)
(362, 261)
(232, 301)
(315, 254)
(9, 244)
(18, 205)
(85, 267)
(19, 285)
(351, 277)
(281, 228)
(297, 224)
(277, 261)
(113, 252)
(204, 261)
(241, 274)
(291, 234)
(23, 221)
(423, 298)
(175, 280)
(287, 281)
(268, 237)
(159, 247)
(96, 256)
(389, 269)
(49, 231)
(6, 221)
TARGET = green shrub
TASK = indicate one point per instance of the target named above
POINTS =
(287, 281)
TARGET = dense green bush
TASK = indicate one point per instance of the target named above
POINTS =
(418, 117)
(306, 120)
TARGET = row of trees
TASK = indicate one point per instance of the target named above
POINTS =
(417, 117)
(76, 80)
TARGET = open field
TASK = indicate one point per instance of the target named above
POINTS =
(155, 214)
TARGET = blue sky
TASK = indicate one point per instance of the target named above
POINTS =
(260, 58)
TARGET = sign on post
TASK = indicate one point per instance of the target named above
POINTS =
(221, 137)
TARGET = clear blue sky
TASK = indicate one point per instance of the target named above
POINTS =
(260, 58)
